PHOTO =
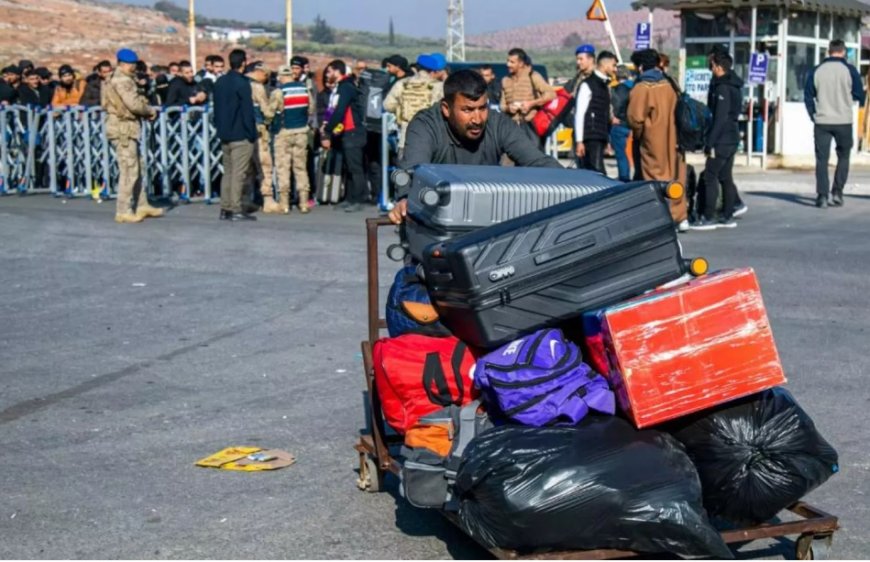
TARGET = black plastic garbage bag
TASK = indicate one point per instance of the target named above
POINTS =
(602, 484)
(756, 456)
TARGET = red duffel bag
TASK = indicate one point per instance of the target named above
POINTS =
(547, 119)
(416, 375)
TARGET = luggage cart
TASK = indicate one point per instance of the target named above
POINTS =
(813, 527)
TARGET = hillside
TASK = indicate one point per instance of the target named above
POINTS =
(569, 33)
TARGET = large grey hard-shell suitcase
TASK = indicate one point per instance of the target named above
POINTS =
(498, 283)
(448, 200)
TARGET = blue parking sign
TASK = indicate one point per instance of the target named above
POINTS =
(642, 36)
(758, 68)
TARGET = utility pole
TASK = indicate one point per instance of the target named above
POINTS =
(455, 31)
(289, 23)
(191, 27)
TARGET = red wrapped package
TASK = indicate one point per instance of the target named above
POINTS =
(683, 349)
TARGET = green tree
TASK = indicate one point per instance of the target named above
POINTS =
(392, 33)
(322, 33)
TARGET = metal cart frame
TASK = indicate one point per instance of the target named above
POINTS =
(814, 528)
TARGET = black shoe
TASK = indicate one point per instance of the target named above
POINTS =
(243, 217)
(704, 224)
(226, 215)
(250, 208)
(822, 201)
(727, 222)
(740, 210)
(837, 199)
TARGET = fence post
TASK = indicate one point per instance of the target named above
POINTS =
(184, 123)
(4, 151)
(70, 163)
(166, 190)
(206, 153)
(52, 154)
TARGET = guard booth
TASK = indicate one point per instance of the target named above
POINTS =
(790, 37)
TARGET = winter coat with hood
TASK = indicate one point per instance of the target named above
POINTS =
(726, 104)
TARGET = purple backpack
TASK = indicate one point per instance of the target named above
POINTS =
(540, 380)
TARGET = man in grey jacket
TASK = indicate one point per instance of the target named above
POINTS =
(461, 130)
(831, 90)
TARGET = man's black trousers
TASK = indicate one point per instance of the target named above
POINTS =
(842, 135)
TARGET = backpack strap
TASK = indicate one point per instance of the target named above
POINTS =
(465, 429)
(433, 374)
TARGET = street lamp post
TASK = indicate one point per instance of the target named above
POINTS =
(289, 24)
(191, 27)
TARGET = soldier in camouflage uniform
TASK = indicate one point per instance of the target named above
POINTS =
(265, 107)
(291, 142)
(124, 107)
(415, 93)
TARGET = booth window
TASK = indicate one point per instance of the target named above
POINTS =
(824, 26)
(801, 60)
(767, 22)
(802, 24)
(846, 28)
(743, 22)
(702, 24)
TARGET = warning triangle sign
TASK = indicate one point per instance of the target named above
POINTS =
(596, 11)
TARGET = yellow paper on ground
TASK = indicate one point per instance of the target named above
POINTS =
(278, 459)
(228, 455)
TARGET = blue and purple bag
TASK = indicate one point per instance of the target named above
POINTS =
(541, 380)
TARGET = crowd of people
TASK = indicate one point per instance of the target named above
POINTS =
(279, 119)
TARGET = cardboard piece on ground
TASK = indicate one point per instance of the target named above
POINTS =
(282, 459)
(229, 454)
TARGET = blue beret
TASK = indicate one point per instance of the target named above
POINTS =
(128, 56)
(433, 62)
(588, 49)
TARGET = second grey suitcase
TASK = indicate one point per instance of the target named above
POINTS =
(447, 200)
(499, 283)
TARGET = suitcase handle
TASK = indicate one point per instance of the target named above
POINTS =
(569, 248)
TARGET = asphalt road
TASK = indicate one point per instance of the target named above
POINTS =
(129, 352)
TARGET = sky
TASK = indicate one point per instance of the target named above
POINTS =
(417, 18)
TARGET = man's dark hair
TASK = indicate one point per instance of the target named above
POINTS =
(237, 59)
(141, 67)
(466, 82)
(338, 65)
(724, 60)
(209, 59)
(837, 47)
(173, 63)
(217, 58)
(102, 64)
(647, 59)
(184, 64)
(485, 67)
(606, 55)
(520, 54)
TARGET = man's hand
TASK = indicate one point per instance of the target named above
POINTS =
(525, 107)
(581, 150)
(325, 144)
(615, 121)
(397, 215)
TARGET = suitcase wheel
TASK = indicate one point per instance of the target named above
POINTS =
(699, 267)
(675, 191)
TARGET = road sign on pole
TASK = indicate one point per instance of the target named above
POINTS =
(596, 11)
(643, 36)
(758, 68)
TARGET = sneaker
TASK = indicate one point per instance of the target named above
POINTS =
(837, 199)
(683, 226)
(703, 224)
(740, 210)
(727, 222)
(822, 201)
(341, 206)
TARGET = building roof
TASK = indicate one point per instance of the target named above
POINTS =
(843, 7)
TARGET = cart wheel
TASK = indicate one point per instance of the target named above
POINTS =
(811, 547)
(370, 478)
(376, 476)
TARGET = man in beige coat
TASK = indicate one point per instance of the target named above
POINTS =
(651, 107)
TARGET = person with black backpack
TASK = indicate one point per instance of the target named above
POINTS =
(721, 145)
